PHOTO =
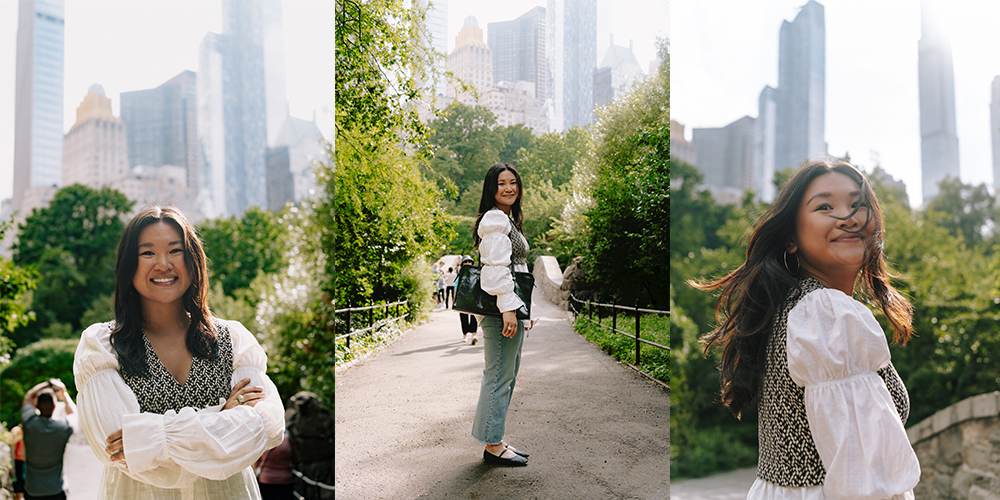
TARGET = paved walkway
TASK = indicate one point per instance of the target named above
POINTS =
(727, 486)
(594, 428)
(81, 469)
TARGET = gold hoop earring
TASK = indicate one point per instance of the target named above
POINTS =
(785, 261)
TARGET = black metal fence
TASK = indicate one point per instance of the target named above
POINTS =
(574, 307)
(354, 314)
(313, 489)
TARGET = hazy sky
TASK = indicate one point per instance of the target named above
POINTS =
(639, 20)
(723, 53)
(127, 45)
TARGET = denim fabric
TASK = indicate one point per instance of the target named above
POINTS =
(503, 358)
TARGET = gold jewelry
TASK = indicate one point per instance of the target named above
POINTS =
(785, 261)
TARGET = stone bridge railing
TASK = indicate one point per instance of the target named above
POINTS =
(549, 278)
(959, 450)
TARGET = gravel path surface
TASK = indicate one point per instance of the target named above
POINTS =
(727, 486)
(595, 428)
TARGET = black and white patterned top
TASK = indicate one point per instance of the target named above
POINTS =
(208, 380)
(518, 246)
(788, 455)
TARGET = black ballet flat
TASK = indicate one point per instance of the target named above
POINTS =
(523, 454)
(515, 461)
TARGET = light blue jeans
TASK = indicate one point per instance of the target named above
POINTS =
(503, 358)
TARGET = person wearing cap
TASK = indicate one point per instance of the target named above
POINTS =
(469, 323)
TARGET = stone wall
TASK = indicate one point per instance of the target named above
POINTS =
(549, 278)
(959, 450)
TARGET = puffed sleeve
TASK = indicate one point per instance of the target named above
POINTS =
(835, 348)
(174, 449)
(495, 252)
(103, 400)
(211, 443)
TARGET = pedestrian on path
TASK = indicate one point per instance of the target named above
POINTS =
(440, 288)
(45, 440)
(469, 323)
(831, 406)
(174, 402)
(497, 236)
(449, 283)
(17, 436)
(435, 277)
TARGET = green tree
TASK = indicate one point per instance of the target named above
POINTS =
(238, 249)
(515, 138)
(466, 135)
(72, 244)
(45, 359)
(14, 283)
(552, 156)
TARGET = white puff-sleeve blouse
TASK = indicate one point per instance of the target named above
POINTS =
(835, 347)
(495, 255)
(196, 453)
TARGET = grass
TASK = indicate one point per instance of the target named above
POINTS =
(368, 342)
(653, 361)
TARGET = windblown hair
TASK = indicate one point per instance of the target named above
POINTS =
(753, 294)
(127, 334)
(488, 201)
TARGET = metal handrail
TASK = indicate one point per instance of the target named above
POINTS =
(614, 321)
(372, 324)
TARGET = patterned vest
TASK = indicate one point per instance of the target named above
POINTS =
(518, 246)
(788, 455)
(208, 381)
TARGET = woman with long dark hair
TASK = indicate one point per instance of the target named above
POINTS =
(795, 339)
(175, 402)
(497, 236)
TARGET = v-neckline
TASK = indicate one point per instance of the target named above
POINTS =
(149, 345)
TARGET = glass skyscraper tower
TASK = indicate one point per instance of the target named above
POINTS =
(938, 131)
(38, 108)
(801, 95)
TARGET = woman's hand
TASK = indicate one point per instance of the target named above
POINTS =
(250, 395)
(115, 447)
(509, 324)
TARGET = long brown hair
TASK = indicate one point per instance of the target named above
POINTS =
(488, 201)
(126, 336)
(752, 295)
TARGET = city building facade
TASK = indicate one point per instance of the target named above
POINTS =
(800, 98)
(518, 48)
(242, 105)
(725, 156)
(514, 103)
(938, 130)
(38, 103)
(162, 125)
(95, 150)
(472, 62)
(618, 71)
(571, 56)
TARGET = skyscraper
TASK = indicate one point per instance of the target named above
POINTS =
(618, 71)
(725, 156)
(162, 125)
(38, 108)
(938, 132)
(471, 61)
(571, 55)
(518, 48)
(995, 131)
(764, 145)
(801, 94)
(95, 150)
(245, 103)
(437, 22)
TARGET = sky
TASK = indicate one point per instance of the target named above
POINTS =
(639, 20)
(126, 45)
(724, 52)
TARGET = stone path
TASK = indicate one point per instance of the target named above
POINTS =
(594, 427)
(726, 486)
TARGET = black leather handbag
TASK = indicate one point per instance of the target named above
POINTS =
(471, 299)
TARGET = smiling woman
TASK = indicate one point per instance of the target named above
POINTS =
(793, 337)
(172, 400)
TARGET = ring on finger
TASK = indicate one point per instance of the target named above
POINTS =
(240, 398)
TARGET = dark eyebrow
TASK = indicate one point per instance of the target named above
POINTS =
(828, 194)
(175, 242)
